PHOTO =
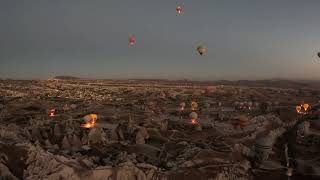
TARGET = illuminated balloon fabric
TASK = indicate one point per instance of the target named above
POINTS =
(90, 118)
(201, 50)
(179, 9)
(132, 40)
(193, 115)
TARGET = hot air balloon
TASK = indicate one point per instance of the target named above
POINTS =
(52, 112)
(298, 109)
(182, 106)
(90, 121)
(132, 40)
(194, 105)
(319, 54)
(306, 106)
(179, 9)
(90, 117)
(201, 50)
(193, 115)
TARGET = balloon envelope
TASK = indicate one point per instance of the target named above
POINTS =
(193, 115)
(298, 109)
(132, 40)
(194, 105)
(179, 9)
(201, 50)
(90, 118)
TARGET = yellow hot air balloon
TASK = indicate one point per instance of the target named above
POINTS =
(306, 106)
(201, 50)
(90, 117)
(94, 117)
(90, 121)
(194, 105)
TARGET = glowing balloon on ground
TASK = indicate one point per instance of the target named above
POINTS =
(194, 121)
(52, 112)
(90, 121)
(182, 106)
(193, 115)
(306, 106)
(194, 105)
(298, 109)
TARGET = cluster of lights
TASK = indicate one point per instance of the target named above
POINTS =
(303, 108)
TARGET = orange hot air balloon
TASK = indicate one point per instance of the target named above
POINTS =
(298, 109)
(306, 106)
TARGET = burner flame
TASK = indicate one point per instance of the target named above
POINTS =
(52, 112)
(194, 121)
(88, 125)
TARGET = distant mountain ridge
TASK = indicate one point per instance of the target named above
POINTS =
(66, 78)
(278, 83)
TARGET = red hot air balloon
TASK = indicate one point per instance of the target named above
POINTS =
(132, 40)
(179, 9)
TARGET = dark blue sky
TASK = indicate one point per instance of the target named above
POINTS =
(246, 39)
